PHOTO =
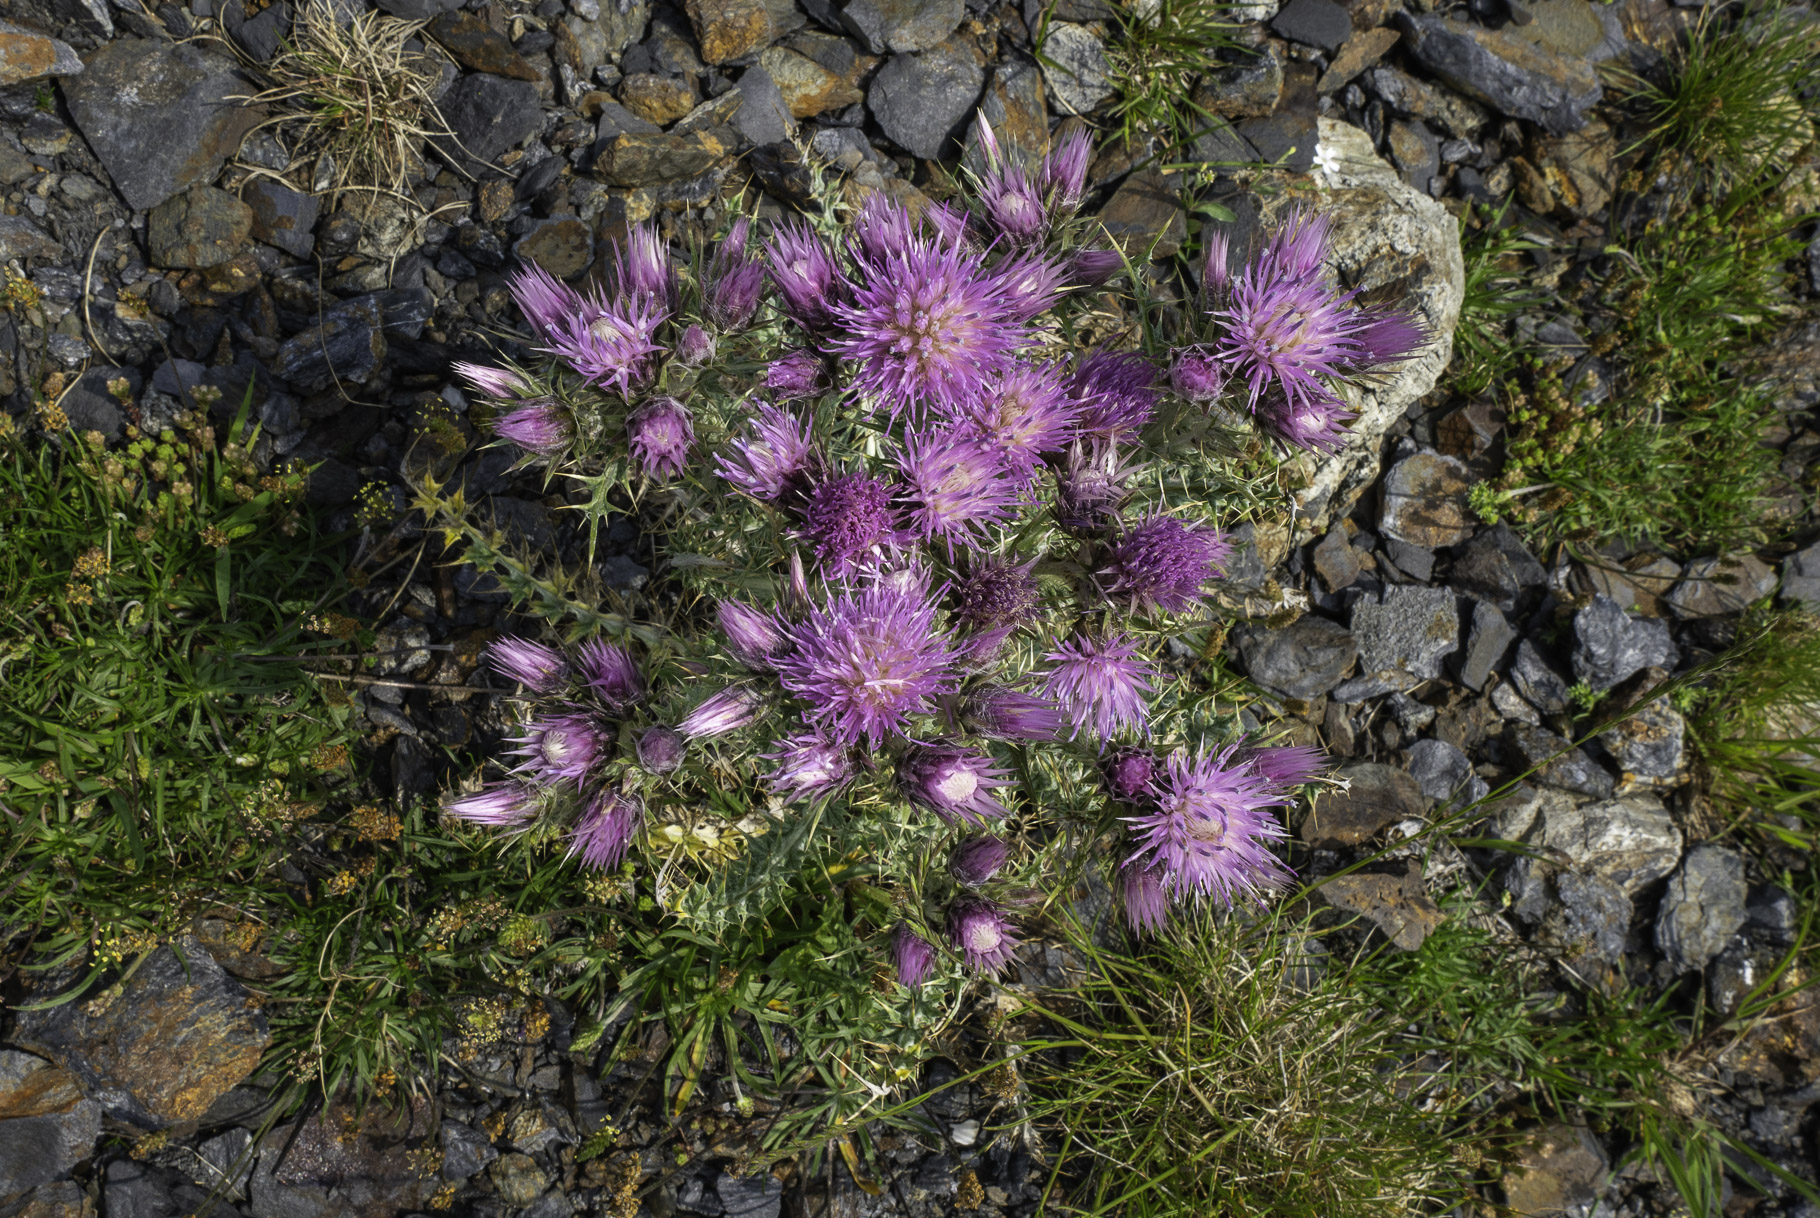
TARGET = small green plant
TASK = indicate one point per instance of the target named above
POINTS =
(1496, 291)
(44, 99)
(1163, 48)
(1584, 697)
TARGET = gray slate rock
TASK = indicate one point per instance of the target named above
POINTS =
(1445, 773)
(21, 239)
(1315, 23)
(1578, 916)
(1541, 686)
(158, 115)
(1649, 745)
(1075, 68)
(348, 345)
(1562, 766)
(1516, 77)
(282, 217)
(1610, 645)
(1715, 587)
(489, 115)
(1632, 841)
(1303, 660)
(1703, 907)
(202, 227)
(922, 100)
(1404, 635)
(129, 1190)
(1488, 641)
(887, 26)
(764, 117)
(41, 1149)
(1801, 571)
(1495, 566)
(757, 1196)
(465, 1151)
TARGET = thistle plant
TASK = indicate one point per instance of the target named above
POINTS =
(929, 545)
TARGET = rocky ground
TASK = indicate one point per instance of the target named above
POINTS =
(156, 229)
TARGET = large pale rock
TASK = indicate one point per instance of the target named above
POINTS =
(1632, 842)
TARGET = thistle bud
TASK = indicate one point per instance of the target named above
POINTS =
(727, 711)
(661, 434)
(977, 859)
(695, 348)
(912, 956)
(752, 635)
(660, 749)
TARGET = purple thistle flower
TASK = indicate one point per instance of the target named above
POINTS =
(559, 747)
(1014, 205)
(978, 859)
(497, 804)
(775, 462)
(1091, 268)
(1064, 172)
(981, 932)
(1117, 393)
(1132, 774)
(1143, 898)
(493, 382)
(661, 434)
(1101, 684)
(847, 518)
(1197, 375)
(533, 665)
(1161, 563)
(736, 284)
(868, 659)
(805, 274)
(1216, 273)
(912, 956)
(660, 749)
(1298, 249)
(1316, 422)
(799, 374)
(641, 268)
(695, 348)
(952, 223)
(610, 345)
(956, 486)
(610, 673)
(1009, 714)
(996, 592)
(546, 301)
(753, 636)
(539, 427)
(1090, 487)
(1285, 765)
(727, 711)
(1028, 413)
(883, 230)
(1211, 829)
(605, 829)
(1029, 285)
(955, 784)
(1388, 337)
(809, 767)
(927, 328)
(980, 650)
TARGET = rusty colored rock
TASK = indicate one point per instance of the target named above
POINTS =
(657, 99)
(343, 1164)
(1360, 52)
(31, 1086)
(1396, 905)
(728, 29)
(1145, 215)
(808, 87)
(158, 1048)
(1378, 797)
(26, 55)
(475, 44)
(646, 160)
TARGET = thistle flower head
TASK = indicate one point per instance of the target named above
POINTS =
(1143, 898)
(929, 325)
(952, 223)
(775, 461)
(810, 767)
(1211, 828)
(1284, 765)
(867, 659)
(955, 486)
(1101, 684)
(1013, 205)
(1132, 774)
(849, 518)
(806, 275)
(661, 749)
(1315, 421)
(695, 347)
(1026, 414)
(1029, 285)
(1064, 172)
(539, 426)
(493, 382)
(912, 956)
(735, 283)
(998, 713)
(1090, 487)
(546, 301)
(610, 672)
(955, 784)
(1091, 268)
(1161, 563)
(753, 635)
(1197, 375)
(996, 592)
(799, 374)
(883, 230)
(641, 269)
(1116, 391)
(497, 804)
(609, 344)
(605, 829)
(661, 433)
(536, 667)
(1388, 337)
(727, 711)
(562, 747)
(978, 859)
(982, 933)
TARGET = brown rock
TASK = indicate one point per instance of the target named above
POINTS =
(1639, 582)
(344, 1164)
(646, 160)
(1782, 1049)
(200, 228)
(1336, 561)
(561, 245)
(1378, 796)
(1578, 167)
(1396, 905)
(31, 1086)
(61, 1200)
(1425, 501)
(1469, 431)
(1563, 1168)
(1145, 215)
(160, 1047)
(1244, 90)
(657, 99)
(518, 1179)
(27, 55)
(475, 44)
(808, 87)
(728, 29)
(1016, 107)
(1360, 52)
(496, 200)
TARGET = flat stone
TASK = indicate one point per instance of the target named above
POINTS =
(281, 216)
(28, 55)
(1336, 561)
(1537, 681)
(518, 1179)
(1632, 841)
(1801, 577)
(1144, 216)
(1416, 98)
(1289, 137)
(1488, 641)
(490, 115)
(1303, 660)
(657, 99)
(39, 1150)
(1444, 773)
(1315, 23)
(262, 34)
(1361, 51)
(1610, 645)
(1567, 27)
(21, 239)
(887, 26)
(1404, 635)
(1563, 1168)
(561, 245)
(1716, 587)
(32, 1087)
(728, 29)
(1583, 918)
(1075, 68)
(1397, 905)
(1515, 77)
(1495, 566)
(764, 113)
(478, 46)
(1017, 107)
(1511, 705)
(1556, 763)
(339, 1165)
(1425, 501)
(1377, 797)
(202, 227)
(755, 1196)
(808, 88)
(649, 160)
(1703, 907)
(465, 1151)
(1250, 89)
(175, 1036)
(1414, 150)
(158, 115)
(1639, 582)
(348, 345)
(921, 100)
(1579, 168)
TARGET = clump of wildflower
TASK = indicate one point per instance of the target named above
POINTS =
(661, 434)
(1210, 829)
(1116, 392)
(1142, 897)
(805, 274)
(1285, 765)
(1132, 774)
(999, 713)
(981, 932)
(848, 518)
(1162, 563)
(799, 374)
(735, 282)
(995, 592)
(1101, 684)
(609, 342)
(1027, 414)
(1090, 487)
(953, 783)
(1064, 172)
(494, 382)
